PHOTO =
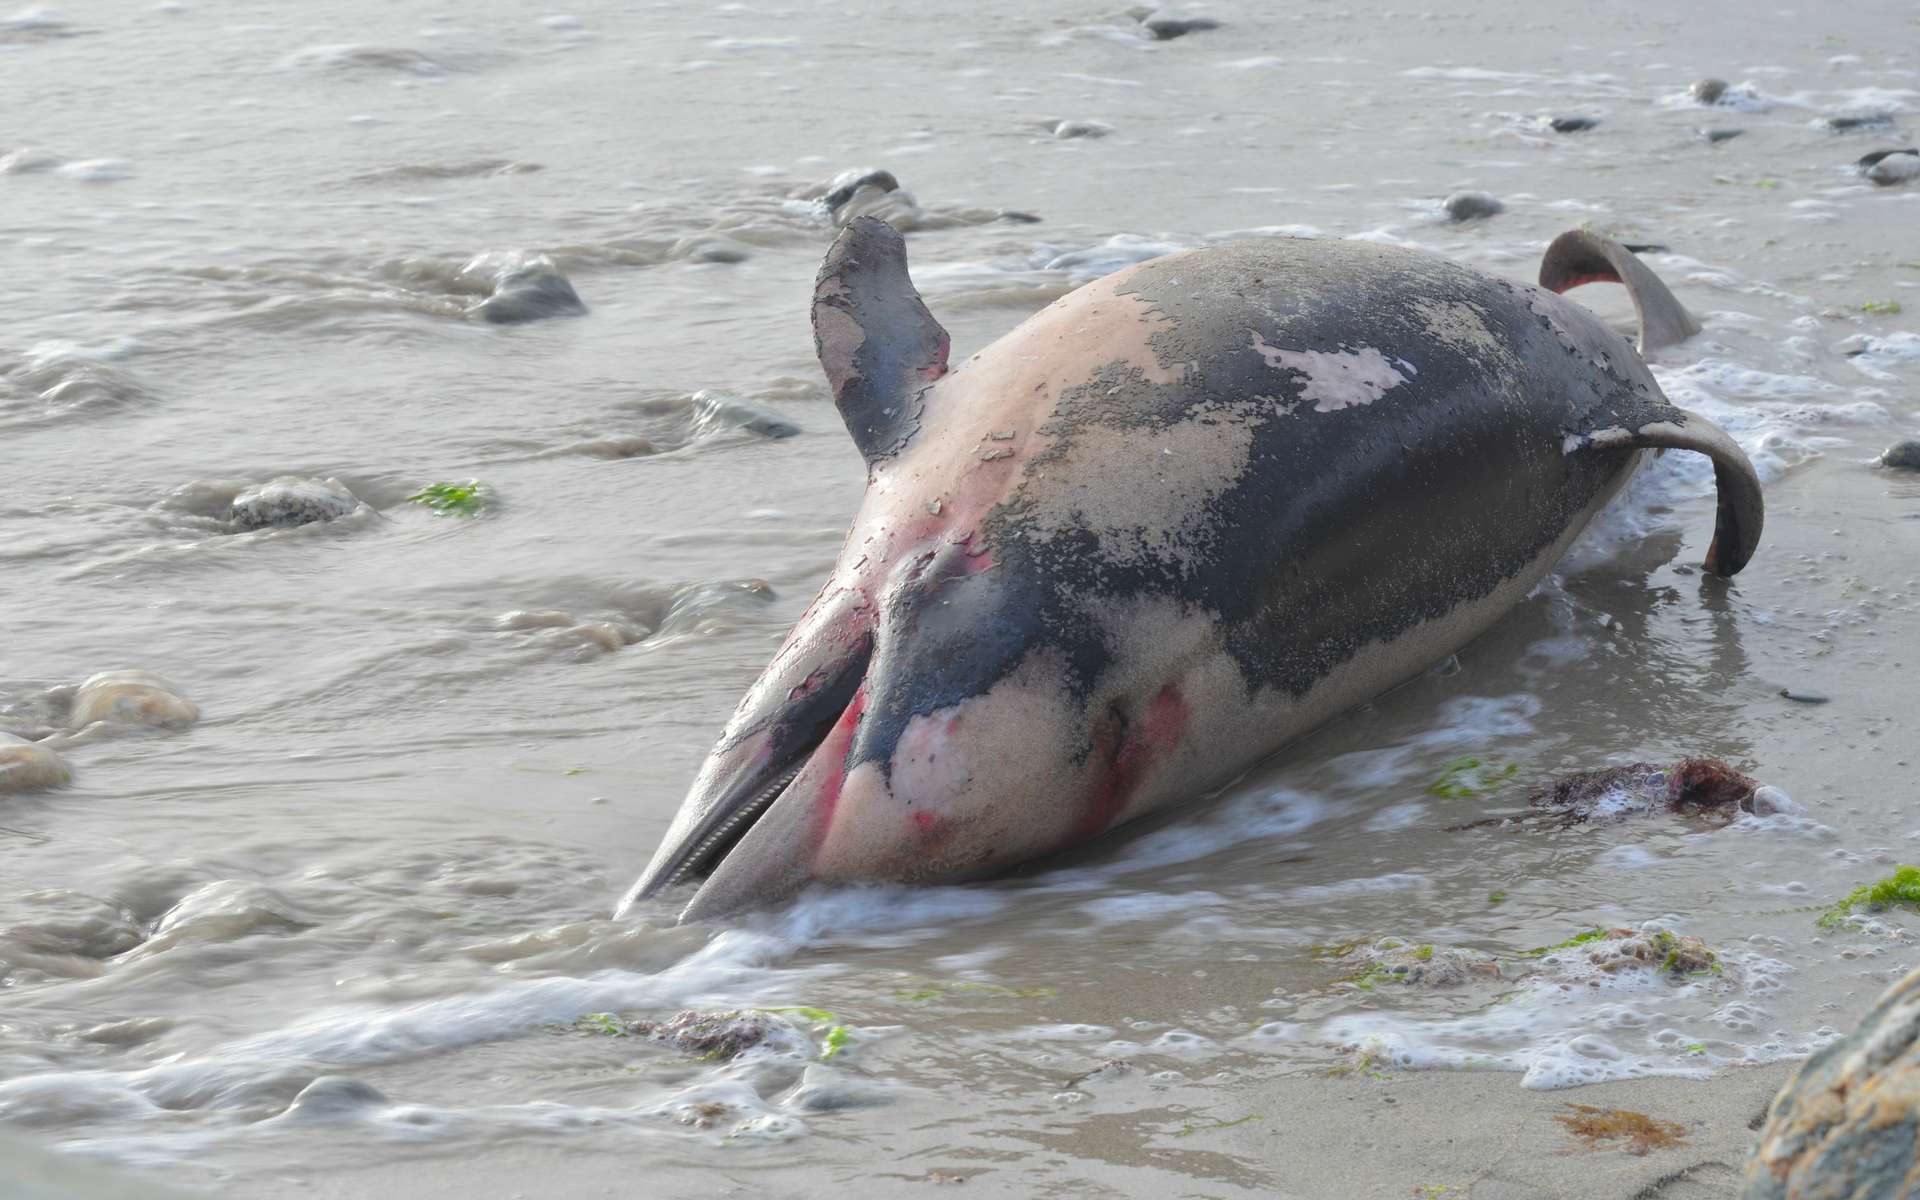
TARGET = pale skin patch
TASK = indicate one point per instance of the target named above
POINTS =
(1459, 323)
(1333, 380)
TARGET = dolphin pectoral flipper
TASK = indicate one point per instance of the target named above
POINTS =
(1742, 510)
(1578, 256)
(878, 344)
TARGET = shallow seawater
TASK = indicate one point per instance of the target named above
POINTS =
(432, 750)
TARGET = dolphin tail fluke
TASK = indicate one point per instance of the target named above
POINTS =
(1579, 256)
(1742, 511)
(878, 344)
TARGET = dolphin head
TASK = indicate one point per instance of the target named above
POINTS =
(924, 720)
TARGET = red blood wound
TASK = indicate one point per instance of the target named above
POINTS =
(1127, 755)
(1567, 285)
(834, 750)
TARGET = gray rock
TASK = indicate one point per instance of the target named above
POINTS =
(1716, 136)
(332, 1097)
(823, 1089)
(1165, 26)
(1572, 124)
(710, 248)
(1081, 129)
(1707, 91)
(1469, 206)
(1849, 123)
(289, 500)
(1904, 455)
(1843, 1127)
(526, 287)
(1888, 167)
(714, 412)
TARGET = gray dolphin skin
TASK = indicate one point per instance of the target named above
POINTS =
(1170, 523)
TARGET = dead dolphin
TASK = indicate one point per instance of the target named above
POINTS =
(1173, 521)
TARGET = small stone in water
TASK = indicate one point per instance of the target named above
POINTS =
(1468, 206)
(130, 698)
(1904, 455)
(1572, 124)
(1803, 697)
(1708, 91)
(27, 765)
(289, 500)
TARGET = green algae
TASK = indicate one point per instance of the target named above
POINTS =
(454, 499)
(1190, 1128)
(836, 1040)
(1470, 776)
(1496, 897)
(604, 1024)
(1900, 889)
(1881, 308)
(1579, 939)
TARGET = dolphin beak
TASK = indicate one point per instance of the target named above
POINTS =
(803, 697)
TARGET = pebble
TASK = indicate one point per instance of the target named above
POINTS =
(1165, 26)
(130, 698)
(289, 500)
(1888, 167)
(1707, 91)
(1800, 696)
(1572, 124)
(1904, 455)
(1081, 129)
(526, 287)
(1716, 136)
(332, 1097)
(28, 766)
(1847, 124)
(1468, 206)
(1843, 1126)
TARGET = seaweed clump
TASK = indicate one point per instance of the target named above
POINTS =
(453, 499)
(1898, 890)
(1703, 788)
(1641, 1134)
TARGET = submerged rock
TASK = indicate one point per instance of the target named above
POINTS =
(1851, 122)
(1468, 206)
(28, 766)
(710, 1035)
(130, 698)
(1903, 455)
(1707, 91)
(334, 1097)
(1695, 787)
(1889, 167)
(526, 287)
(1164, 27)
(1845, 1125)
(1391, 961)
(1066, 130)
(290, 500)
(715, 412)
(1572, 124)
(1716, 136)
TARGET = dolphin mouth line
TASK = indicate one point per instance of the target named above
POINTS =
(710, 850)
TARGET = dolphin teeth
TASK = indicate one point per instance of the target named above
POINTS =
(746, 814)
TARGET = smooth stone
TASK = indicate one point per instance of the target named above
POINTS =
(709, 248)
(1081, 129)
(28, 161)
(1572, 124)
(526, 287)
(823, 1089)
(290, 500)
(1469, 206)
(130, 698)
(1716, 136)
(1165, 28)
(27, 766)
(846, 183)
(714, 412)
(1707, 91)
(1844, 1125)
(332, 1097)
(1799, 696)
(1888, 167)
(1904, 455)
(1847, 124)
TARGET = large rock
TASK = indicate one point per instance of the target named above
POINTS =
(26, 766)
(1847, 1125)
(130, 698)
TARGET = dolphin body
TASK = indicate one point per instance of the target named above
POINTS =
(1173, 521)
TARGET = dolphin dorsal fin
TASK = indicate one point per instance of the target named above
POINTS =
(878, 344)
(1579, 256)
